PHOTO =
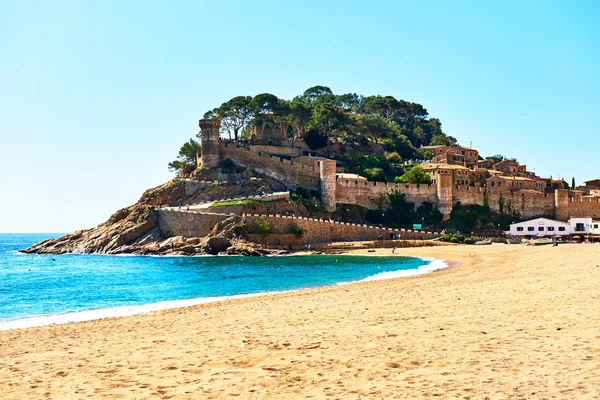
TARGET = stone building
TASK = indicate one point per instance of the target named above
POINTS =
(453, 155)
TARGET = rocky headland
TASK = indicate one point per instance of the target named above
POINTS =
(136, 229)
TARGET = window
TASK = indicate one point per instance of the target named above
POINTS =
(530, 228)
(579, 227)
(561, 228)
(540, 228)
(595, 226)
(550, 229)
(500, 183)
(520, 228)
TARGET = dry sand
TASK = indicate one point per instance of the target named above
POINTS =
(509, 322)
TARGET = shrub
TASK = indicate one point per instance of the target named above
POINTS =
(295, 229)
(446, 237)
(263, 226)
(455, 240)
(240, 231)
(468, 241)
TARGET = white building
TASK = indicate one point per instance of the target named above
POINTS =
(549, 227)
(540, 226)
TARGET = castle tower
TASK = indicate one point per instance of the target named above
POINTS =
(328, 184)
(210, 143)
(444, 192)
(561, 205)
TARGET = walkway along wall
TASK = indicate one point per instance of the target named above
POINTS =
(323, 231)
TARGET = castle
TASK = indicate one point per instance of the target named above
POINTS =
(456, 172)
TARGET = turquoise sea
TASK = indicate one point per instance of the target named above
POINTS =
(48, 289)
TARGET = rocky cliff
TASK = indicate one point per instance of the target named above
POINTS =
(136, 230)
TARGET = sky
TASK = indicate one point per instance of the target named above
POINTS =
(97, 97)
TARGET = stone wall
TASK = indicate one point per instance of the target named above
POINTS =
(291, 173)
(187, 223)
(527, 203)
(367, 193)
(583, 207)
(324, 231)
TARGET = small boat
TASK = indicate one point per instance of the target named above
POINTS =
(540, 242)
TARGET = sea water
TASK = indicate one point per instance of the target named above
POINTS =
(45, 289)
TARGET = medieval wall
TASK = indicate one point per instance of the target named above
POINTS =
(324, 231)
(583, 207)
(367, 193)
(187, 223)
(292, 174)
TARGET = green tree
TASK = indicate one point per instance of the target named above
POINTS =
(261, 107)
(235, 114)
(573, 183)
(186, 159)
(317, 94)
(415, 175)
(299, 115)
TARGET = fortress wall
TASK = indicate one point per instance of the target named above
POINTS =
(584, 207)
(284, 150)
(367, 193)
(187, 224)
(323, 231)
(527, 204)
(292, 174)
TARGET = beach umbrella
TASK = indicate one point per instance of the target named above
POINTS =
(540, 235)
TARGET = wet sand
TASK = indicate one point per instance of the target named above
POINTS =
(509, 321)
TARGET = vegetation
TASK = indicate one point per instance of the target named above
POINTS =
(416, 175)
(295, 229)
(186, 159)
(401, 214)
(262, 226)
(377, 133)
(468, 218)
(243, 202)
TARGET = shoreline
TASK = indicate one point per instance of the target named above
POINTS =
(73, 317)
(506, 322)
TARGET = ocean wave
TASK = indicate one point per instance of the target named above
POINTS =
(431, 266)
(122, 311)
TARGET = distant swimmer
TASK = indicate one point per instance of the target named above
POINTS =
(53, 259)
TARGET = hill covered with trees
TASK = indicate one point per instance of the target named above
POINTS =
(371, 135)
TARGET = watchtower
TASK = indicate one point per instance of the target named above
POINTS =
(210, 143)
(444, 192)
(561, 205)
(328, 184)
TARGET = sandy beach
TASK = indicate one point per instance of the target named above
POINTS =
(509, 321)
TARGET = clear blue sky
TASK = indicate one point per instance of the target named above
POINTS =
(97, 97)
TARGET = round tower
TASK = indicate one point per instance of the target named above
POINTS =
(210, 143)
(561, 204)
(328, 184)
(444, 192)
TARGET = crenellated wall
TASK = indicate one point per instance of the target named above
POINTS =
(324, 231)
(367, 193)
(583, 207)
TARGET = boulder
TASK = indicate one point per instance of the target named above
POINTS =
(218, 244)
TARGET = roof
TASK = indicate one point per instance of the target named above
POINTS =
(537, 220)
(515, 178)
(349, 176)
(430, 166)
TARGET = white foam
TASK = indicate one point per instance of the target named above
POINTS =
(122, 311)
(431, 266)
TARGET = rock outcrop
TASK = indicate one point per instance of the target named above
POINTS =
(136, 230)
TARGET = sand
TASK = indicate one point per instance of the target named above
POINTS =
(510, 321)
